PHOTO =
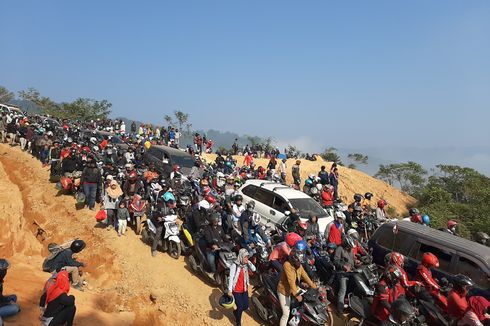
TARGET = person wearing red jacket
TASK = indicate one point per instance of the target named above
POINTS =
(424, 275)
(457, 304)
(334, 231)
(397, 259)
(327, 195)
(387, 291)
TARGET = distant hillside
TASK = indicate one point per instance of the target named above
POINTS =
(26, 105)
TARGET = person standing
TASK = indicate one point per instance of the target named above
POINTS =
(238, 283)
(334, 181)
(90, 180)
(283, 169)
(122, 218)
(177, 137)
(3, 127)
(296, 173)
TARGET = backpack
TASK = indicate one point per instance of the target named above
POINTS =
(55, 250)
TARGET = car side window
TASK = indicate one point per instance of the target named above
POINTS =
(402, 243)
(279, 204)
(473, 271)
(264, 197)
(249, 191)
(443, 256)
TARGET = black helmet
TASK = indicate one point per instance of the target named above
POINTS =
(460, 281)
(368, 195)
(348, 242)
(482, 237)
(77, 246)
(4, 264)
(402, 309)
(413, 211)
(215, 217)
(357, 197)
(393, 275)
(251, 205)
(237, 198)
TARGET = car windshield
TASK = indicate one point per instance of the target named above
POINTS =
(307, 206)
(183, 160)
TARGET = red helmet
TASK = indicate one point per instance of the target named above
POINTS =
(397, 258)
(176, 167)
(210, 199)
(133, 176)
(430, 260)
(451, 224)
(206, 190)
(416, 219)
(381, 203)
(292, 238)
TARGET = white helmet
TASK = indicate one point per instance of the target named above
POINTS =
(49, 133)
(353, 233)
(204, 204)
(340, 215)
(311, 176)
(93, 140)
(256, 218)
(319, 187)
(95, 148)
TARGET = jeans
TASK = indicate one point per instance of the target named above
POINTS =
(44, 156)
(157, 236)
(211, 257)
(10, 309)
(111, 218)
(55, 167)
(285, 306)
(342, 279)
(90, 190)
(241, 301)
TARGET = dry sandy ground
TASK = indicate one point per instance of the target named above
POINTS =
(351, 181)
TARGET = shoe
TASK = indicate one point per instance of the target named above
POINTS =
(154, 253)
(119, 234)
(77, 287)
(92, 208)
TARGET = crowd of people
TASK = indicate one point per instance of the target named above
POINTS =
(97, 170)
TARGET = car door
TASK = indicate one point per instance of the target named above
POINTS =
(477, 271)
(263, 202)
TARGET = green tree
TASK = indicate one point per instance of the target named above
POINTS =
(182, 118)
(330, 155)
(410, 175)
(6, 95)
(46, 105)
(168, 119)
(358, 158)
(293, 151)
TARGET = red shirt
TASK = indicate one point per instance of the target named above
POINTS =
(457, 305)
(335, 235)
(240, 283)
(385, 293)
(103, 144)
(327, 198)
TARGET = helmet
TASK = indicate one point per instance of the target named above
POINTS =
(416, 218)
(77, 246)
(430, 260)
(210, 199)
(397, 258)
(426, 220)
(176, 167)
(215, 217)
(319, 187)
(357, 197)
(4, 264)
(368, 195)
(296, 257)
(451, 224)
(80, 197)
(204, 204)
(331, 245)
(301, 245)
(133, 176)
(301, 227)
(353, 233)
(482, 237)
(227, 301)
(460, 281)
(238, 198)
(168, 196)
(256, 218)
(250, 205)
(381, 203)
(340, 215)
(311, 176)
(309, 182)
(348, 242)
(49, 133)
(292, 238)
(413, 211)
(393, 274)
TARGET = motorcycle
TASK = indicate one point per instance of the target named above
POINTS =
(170, 242)
(313, 310)
(226, 257)
(137, 208)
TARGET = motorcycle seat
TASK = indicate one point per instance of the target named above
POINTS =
(271, 280)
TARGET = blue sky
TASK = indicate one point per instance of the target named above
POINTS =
(355, 74)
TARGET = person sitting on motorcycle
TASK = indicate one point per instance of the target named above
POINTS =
(238, 209)
(397, 259)
(281, 251)
(313, 228)
(251, 228)
(387, 291)
(457, 302)
(424, 275)
(8, 303)
(71, 163)
(309, 183)
(133, 185)
(151, 173)
(65, 261)
(292, 275)
(366, 202)
(344, 262)
(199, 216)
(214, 237)
(335, 230)
(401, 312)
(358, 250)
(380, 211)
(451, 227)
(165, 207)
(327, 196)
(175, 172)
(478, 313)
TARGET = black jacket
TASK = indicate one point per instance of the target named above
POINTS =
(91, 175)
(70, 165)
(214, 235)
(64, 258)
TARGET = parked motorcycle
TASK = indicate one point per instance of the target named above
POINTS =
(170, 241)
(137, 209)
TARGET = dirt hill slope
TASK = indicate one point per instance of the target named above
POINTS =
(351, 181)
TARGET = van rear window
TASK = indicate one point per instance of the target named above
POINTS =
(402, 243)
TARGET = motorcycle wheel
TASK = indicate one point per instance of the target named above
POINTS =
(260, 309)
(144, 236)
(191, 260)
(174, 249)
(224, 282)
(354, 321)
(138, 226)
(329, 322)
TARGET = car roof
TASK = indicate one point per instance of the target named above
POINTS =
(448, 240)
(278, 188)
(171, 150)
